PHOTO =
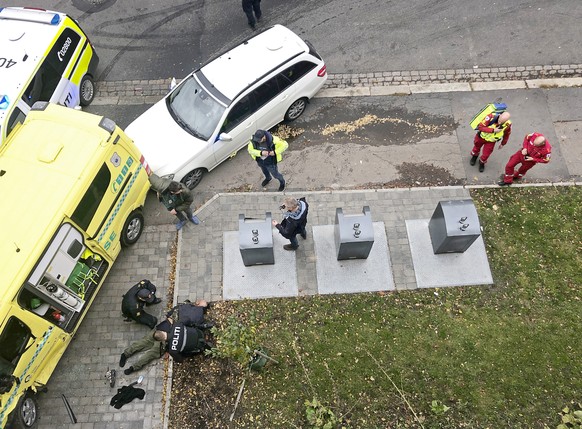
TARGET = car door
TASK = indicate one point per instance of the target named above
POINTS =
(270, 100)
(274, 97)
(238, 124)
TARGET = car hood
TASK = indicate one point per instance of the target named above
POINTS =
(164, 144)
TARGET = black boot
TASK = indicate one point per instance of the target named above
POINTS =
(473, 160)
(481, 167)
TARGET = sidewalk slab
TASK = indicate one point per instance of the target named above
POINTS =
(354, 91)
(554, 83)
(440, 87)
(352, 275)
(258, 281)
(446, 269)
(495, 85)
(390, 90)
(569, 138)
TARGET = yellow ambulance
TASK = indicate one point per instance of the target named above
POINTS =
(44, 56)
(73, 187)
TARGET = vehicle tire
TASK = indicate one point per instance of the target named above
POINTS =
(296, 109)
(132, 228)
(193, 178)
(86, 90)
(26, 413)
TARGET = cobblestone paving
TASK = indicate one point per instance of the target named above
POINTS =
(103, 335)
(126, 90)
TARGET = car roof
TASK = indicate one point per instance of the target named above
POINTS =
(252, 59)
(25, 35)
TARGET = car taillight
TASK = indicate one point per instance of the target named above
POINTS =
(145, 165)
(322, 71)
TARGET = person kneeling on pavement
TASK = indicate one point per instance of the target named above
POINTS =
(185, 341)
(176, 197)
(140, 295)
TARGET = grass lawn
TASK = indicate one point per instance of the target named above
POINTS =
(502, 356)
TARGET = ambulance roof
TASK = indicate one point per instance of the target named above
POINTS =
(43, 165)
(25, 37)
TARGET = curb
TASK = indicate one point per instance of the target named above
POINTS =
(380, 83)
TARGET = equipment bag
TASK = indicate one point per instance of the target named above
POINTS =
(492, 108)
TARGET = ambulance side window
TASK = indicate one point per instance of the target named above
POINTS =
(13, 344)
(48, 76)
(16, 117)
(90, 202)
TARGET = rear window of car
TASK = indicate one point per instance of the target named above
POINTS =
(312, 50)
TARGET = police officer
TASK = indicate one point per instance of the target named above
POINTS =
(137, 297)
(184, 341)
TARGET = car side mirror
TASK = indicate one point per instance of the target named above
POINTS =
(225, 137)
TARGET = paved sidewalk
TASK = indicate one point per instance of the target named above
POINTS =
(199, 274)
(102, 337)
(199, 271)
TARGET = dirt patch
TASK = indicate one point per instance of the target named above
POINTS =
(418, 175)
(204, 388)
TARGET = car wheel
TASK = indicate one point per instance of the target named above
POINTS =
(86, 90)
(193, 178)
(132, 228)
(296, 109)
(26, 413)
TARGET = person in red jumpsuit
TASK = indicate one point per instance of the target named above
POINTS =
(536, 148)
(492, 129)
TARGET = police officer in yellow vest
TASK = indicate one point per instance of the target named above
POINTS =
(267, 150)
(492, 129)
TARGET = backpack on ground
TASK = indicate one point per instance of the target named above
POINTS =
(491, 108)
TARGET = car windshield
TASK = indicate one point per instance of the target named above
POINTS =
(194, 109)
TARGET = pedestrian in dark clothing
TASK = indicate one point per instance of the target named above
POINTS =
(250, 6)
(267, 150)
(137, 297)
(294, 221)
(176, 197)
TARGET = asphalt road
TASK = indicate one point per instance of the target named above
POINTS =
(152, 40)
(136, 39)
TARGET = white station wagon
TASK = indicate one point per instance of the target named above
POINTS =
(214, 111)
